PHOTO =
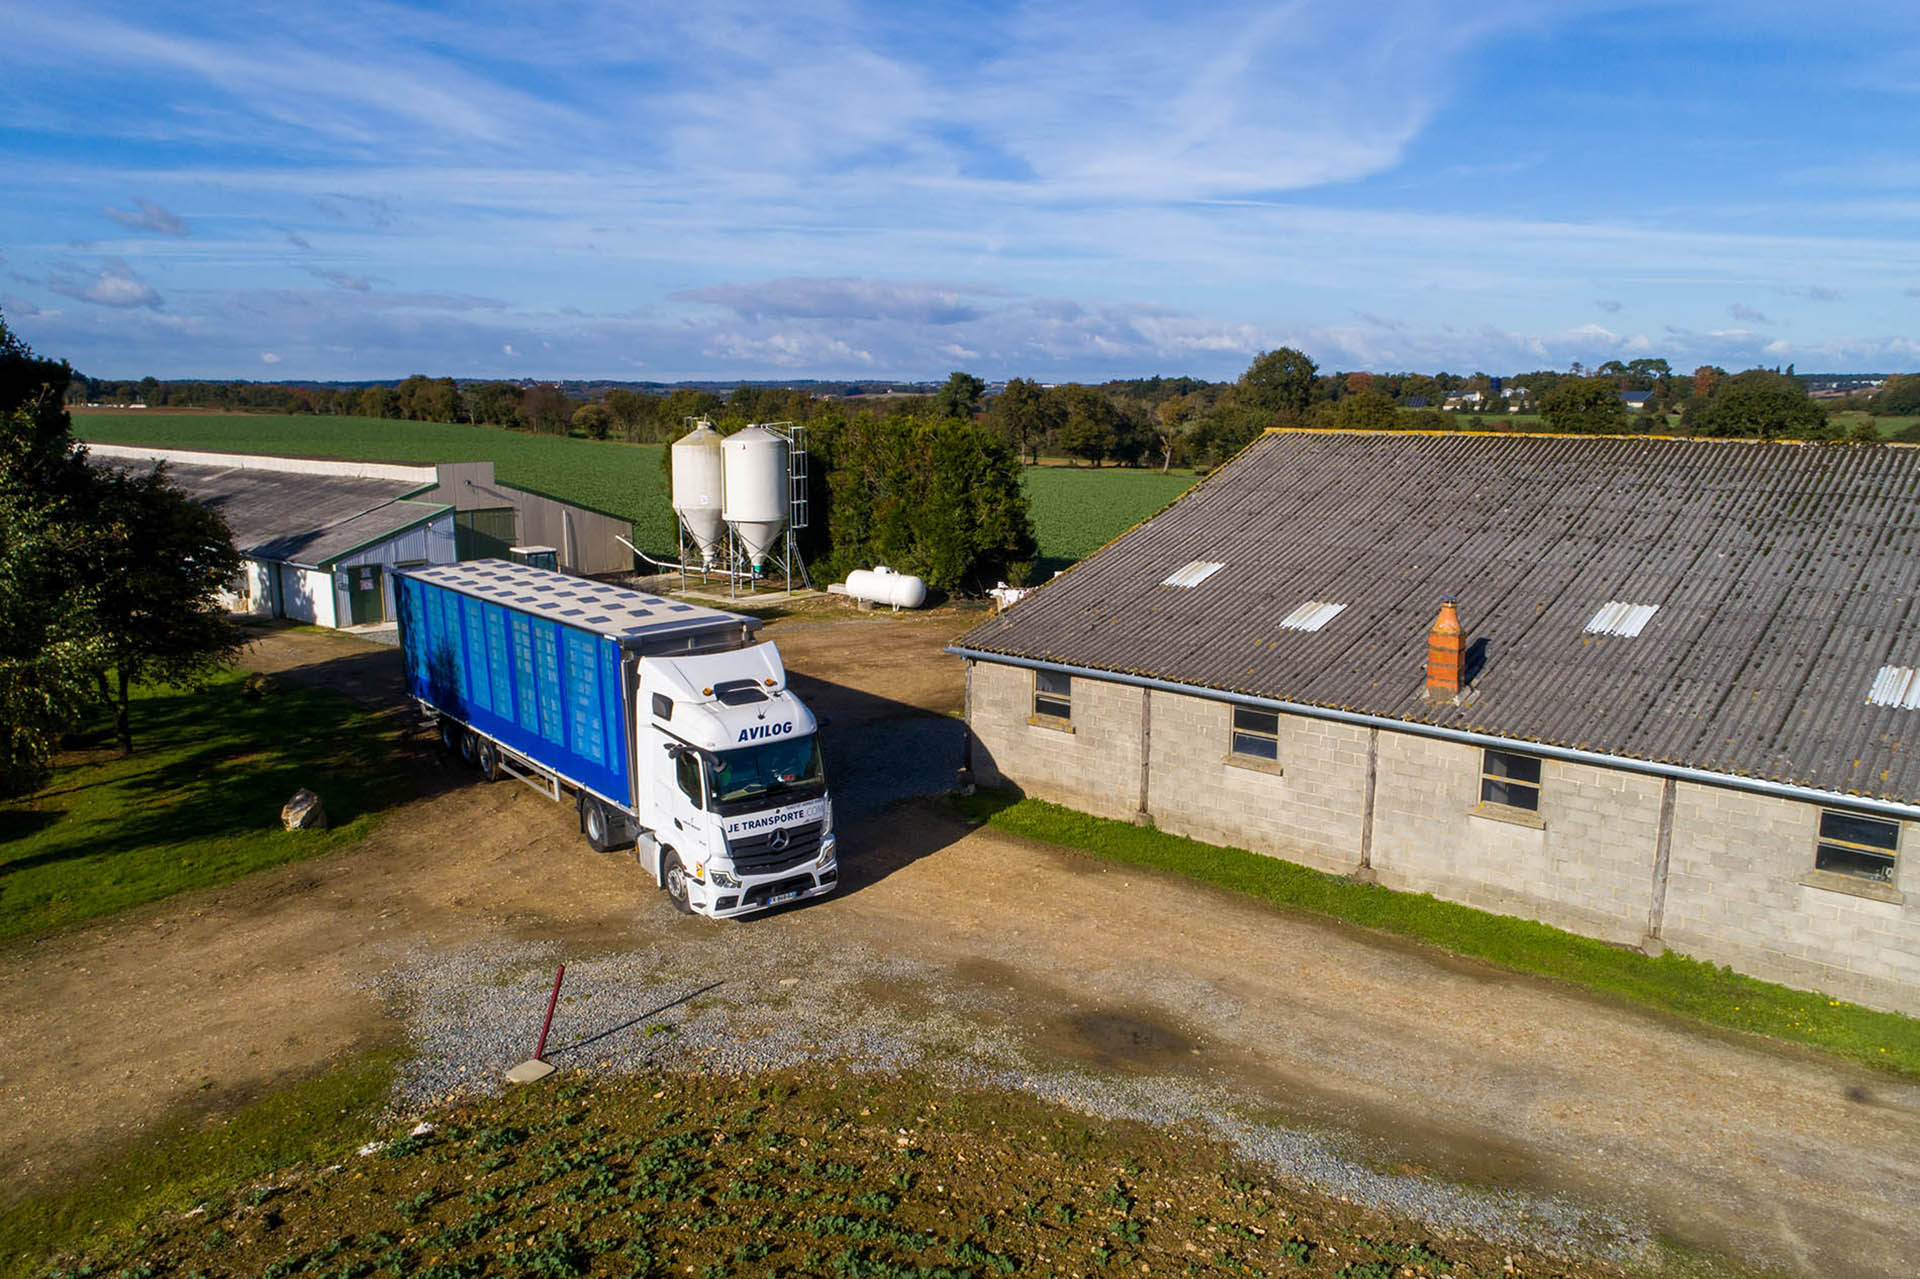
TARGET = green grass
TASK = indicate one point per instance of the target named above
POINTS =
(621, 479)
(198, 802)
(1671, 983)
(192, 1157)
(1077, 510)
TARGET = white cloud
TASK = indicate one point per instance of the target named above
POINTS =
(113, 285)
(268, 357)
(507, 348)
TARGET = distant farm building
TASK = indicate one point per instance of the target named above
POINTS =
(320, 538)
(1676, 704)
(1636, 400)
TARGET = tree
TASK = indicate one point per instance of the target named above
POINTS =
(631, 412)
(47, 655)
(594, 421)
(1279, 384)
(1901, 395)
(1705, 378)
(1367, 411)
(1584, 406)
(1090, 428)
(546, 409)
(960, 397)
(99, 570)
(940, 498)
(158, 560)
(1025, 416)
(1177, 417)
(1758, 403)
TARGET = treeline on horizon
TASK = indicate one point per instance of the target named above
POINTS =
(1159, 421)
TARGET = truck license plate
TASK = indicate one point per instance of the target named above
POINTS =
(777, 898)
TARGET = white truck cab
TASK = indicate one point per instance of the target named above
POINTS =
(733, 796)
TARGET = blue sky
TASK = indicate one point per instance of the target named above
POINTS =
(1050, 190)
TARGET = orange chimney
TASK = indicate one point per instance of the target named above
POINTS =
(1446, 650)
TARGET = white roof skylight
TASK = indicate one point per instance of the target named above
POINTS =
(1625, 620)
(1310, 616)
(1194, 573)
(1896, 686)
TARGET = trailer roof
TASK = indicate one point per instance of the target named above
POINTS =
(633, 618)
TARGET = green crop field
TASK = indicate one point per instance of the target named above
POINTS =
(1078, 510)
(620, 479)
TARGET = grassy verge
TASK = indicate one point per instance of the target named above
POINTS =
(1671, 983)
(889, 1177)
(192, 1158)
(198, 802)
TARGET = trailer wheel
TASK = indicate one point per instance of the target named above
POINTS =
(486, 757)
(595, 824)
(674, 880)
(450, 735)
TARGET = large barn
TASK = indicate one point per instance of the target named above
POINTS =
(320, 538)
(1655, 691)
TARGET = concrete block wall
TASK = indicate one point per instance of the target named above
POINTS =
(1587, 865)
(1095, 767)
(1735, 896)
(1736, 891)
(1307, 809)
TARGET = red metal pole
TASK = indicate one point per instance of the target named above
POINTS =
(540, 1049)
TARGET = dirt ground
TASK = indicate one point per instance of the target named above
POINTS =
(1771, 1154)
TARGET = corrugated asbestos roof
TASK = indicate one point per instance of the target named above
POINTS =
(1784, 577)
(294, 518)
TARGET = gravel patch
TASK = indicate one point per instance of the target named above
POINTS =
(741, 1000)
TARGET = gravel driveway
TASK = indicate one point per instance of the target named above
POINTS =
(1463, 1095)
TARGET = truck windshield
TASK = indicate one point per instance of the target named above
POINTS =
(756, 772)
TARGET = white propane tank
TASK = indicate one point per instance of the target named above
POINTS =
(756, 488)
(698, 496)
(884, 586)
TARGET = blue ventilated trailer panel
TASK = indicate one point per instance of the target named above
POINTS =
(548, 690)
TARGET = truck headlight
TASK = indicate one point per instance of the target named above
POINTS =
(828, 851)
(723, 880)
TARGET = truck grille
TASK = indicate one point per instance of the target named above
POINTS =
(766, 892)
(756, 855)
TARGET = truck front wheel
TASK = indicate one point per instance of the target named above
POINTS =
(674, 879)
(595, 824)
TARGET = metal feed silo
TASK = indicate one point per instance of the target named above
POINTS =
(756, 489)
(698, 488)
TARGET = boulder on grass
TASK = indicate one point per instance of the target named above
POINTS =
(304, 812)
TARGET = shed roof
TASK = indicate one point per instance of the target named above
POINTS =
(296, 518)
(1781, 577)
(637, 620)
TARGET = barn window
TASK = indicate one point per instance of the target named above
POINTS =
(1256, 734)
(1510, 779)
(1053, 694)
(1850, 844)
